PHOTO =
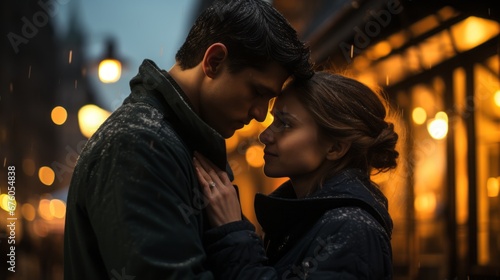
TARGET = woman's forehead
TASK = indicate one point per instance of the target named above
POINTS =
(287, 96)
(289, 103)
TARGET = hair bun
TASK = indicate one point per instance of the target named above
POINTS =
(383, 152)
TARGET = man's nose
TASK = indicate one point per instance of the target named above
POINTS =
(259, 111)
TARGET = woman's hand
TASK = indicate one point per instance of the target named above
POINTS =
(223, 204)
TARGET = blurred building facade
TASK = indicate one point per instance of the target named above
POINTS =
(438, 63)
(42, 86)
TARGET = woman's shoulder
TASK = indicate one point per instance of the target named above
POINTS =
(352, 220)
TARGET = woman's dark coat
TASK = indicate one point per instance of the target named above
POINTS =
(343, 231)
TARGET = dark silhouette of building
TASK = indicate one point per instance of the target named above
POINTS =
(39, 70)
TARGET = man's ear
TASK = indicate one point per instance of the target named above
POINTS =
(337, 150)
(212, 62)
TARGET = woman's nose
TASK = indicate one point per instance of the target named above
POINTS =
(266, 137)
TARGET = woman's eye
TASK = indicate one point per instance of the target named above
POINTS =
(279, 125)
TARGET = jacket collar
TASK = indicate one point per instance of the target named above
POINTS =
(282, 210)
(198, 135)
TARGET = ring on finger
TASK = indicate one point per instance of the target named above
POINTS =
(212, 184)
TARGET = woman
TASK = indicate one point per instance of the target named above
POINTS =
(329, 221)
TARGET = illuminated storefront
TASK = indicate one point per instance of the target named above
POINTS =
(439, 65)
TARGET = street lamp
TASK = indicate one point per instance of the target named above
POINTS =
(110, 66)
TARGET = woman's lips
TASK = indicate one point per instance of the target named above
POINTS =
(269, 154)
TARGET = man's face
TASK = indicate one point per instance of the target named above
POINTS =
(231, 100)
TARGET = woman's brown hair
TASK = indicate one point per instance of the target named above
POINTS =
(348, 111)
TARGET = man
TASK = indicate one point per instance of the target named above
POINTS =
(135, 209)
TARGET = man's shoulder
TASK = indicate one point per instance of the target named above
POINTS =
(137, 119)
(134, 125)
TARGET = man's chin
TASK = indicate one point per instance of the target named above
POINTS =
(228, 130)
(227, 133)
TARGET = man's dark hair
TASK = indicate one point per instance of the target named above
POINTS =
(254, 33)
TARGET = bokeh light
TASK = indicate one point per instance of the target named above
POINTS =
(44, 209)
(57, 208)
(438, 127)
(419, 115)
(493, 186)
(28, 212)
(59, 115)
(46, 175)
(90, 117)
(255, 156)
(7, 202)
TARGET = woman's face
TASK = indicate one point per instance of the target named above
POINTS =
(293, 146)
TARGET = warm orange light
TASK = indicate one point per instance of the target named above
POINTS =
(442, 116)
(493, 186)
(425, 203)
(46, 175)
(397, 39)
(232, 143)
(360, 63)
(28, 212)
(7, 202)
(44, 209)
(424, 25)
(473, 31)
(497, 98)
(59, 115)
(268, 121)
(110, 70)
(90, 117)
(438, 127)
(57, 208)
(419, 115)
(248, 130)
(255, 156)
(379, 50)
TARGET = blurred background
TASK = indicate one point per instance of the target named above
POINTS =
(65, 66)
